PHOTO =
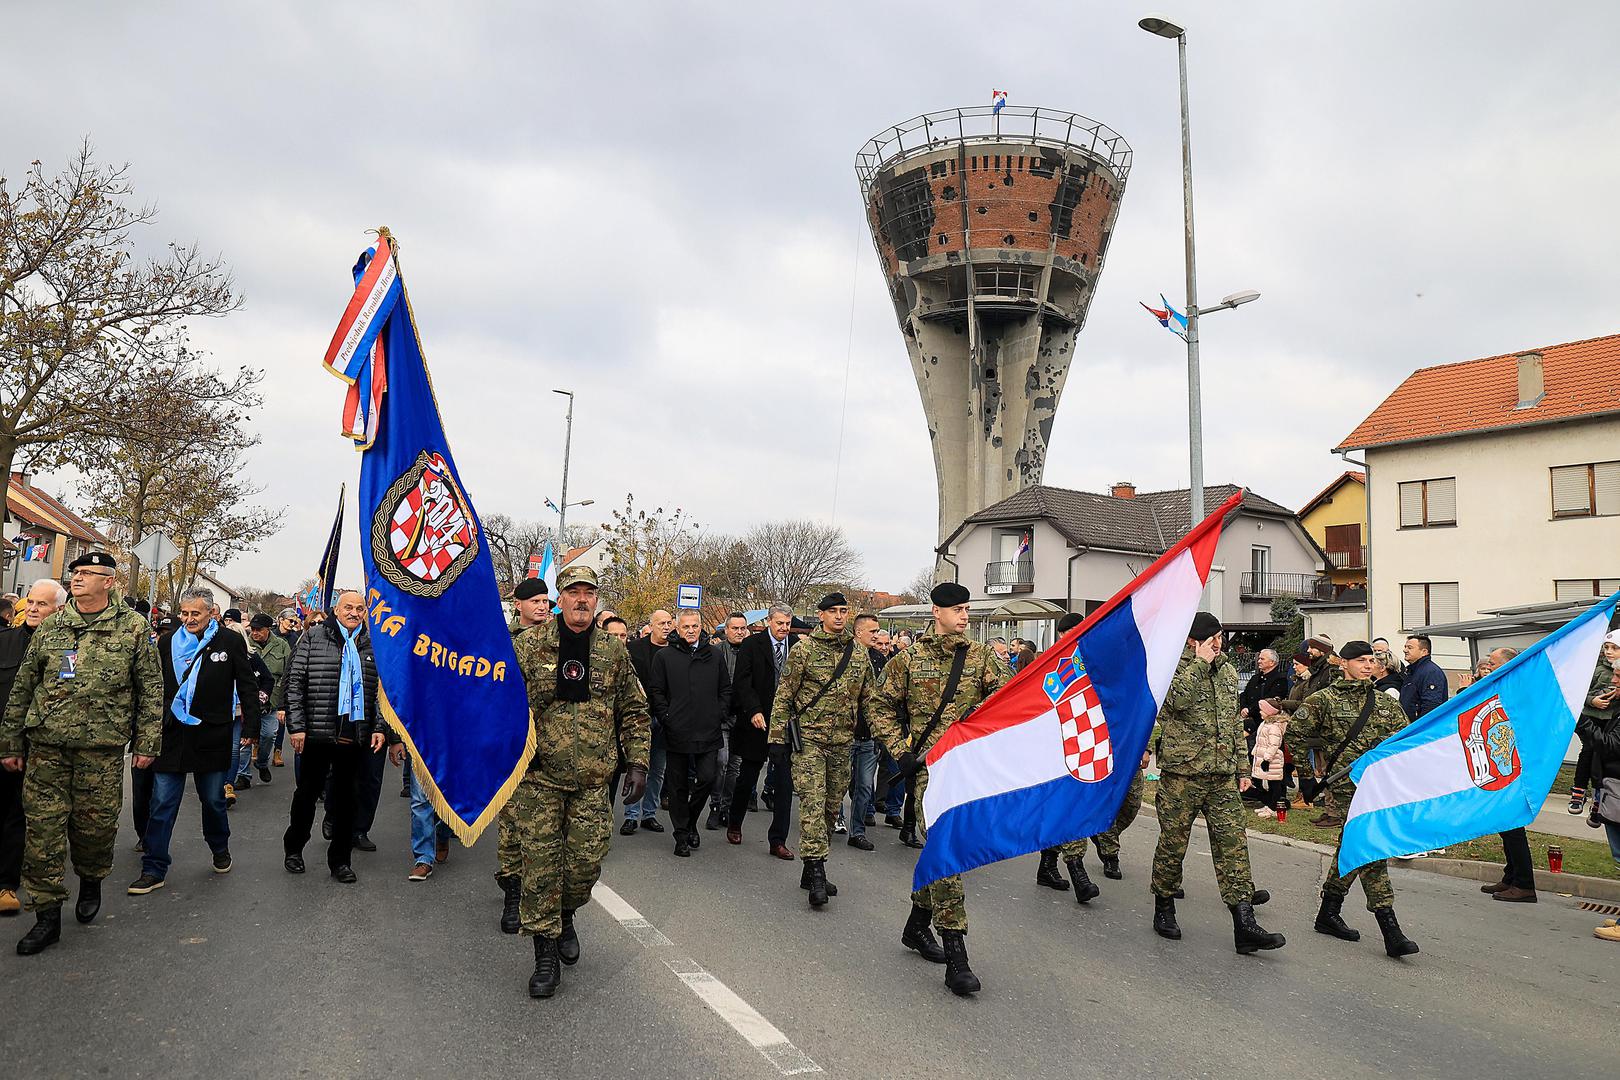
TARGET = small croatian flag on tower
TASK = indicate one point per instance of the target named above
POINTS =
(1049, 757)
(1485, 760)
(999, 99)
(356, 353)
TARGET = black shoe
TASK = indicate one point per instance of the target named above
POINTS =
(628, 828)
(222, 862)
(1047, 873)
(512, 893)
(713, 822)
(893, 821)
(1396, 944)
(652, 824)
(816, 869)
(264, 774)
(547, 969)
(364, 842)
(1111, 867)
(1330, 922)
(345, 874)
(1164, 918)
(768, 799)
(919, 938)
(1085, 890)
(1261, 896)
(869, 820)
(1249, 936)
(242, 782)
(140, 847)
(1179, 894)
(861, 842)
(326, 830)
(693, 839)
(804, 879)
(568, 943)
(144, 884)
(683, 849)
(753, 804)
(839, 826)
(405, 789)
(89, 905)
(294, 864)
(959, 978)
(47, 931)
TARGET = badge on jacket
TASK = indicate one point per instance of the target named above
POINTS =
(70, 664)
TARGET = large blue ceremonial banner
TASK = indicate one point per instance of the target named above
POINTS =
(450, 684)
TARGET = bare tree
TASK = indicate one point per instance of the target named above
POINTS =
(512, 542)
(921, 585)
(793, 557)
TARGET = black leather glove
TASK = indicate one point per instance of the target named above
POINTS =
(908, 765)
(635, 785)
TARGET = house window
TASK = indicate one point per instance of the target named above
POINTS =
(1260, 566)
(1586, 490)
(1572, 589)
(1426, 503)
(1014, 567)
(1429, 603)
(1344, 547)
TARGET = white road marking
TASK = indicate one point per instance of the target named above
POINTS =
(744, 1019)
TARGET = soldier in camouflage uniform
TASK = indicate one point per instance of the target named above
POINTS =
(588, 709)
(88, 684)
(824, 712)
(1203, 767)
(908, 698)
(1326, 718)
(532, 607)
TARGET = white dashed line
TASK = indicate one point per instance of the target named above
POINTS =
(744, 1019)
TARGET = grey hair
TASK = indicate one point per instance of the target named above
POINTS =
(60, 594)
(1273, 654)
(198, 592)
(1509, 652)
(779, 609)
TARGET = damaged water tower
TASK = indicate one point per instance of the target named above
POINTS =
(991, 229)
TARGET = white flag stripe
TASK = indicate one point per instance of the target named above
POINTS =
(1011, 759)
(1163, 609)
(1423, 772)
(1573, 658)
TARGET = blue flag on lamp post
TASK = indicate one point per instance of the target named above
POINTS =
(450, 686)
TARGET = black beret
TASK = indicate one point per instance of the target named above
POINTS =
(261, 621)
(529, 588)
(832, 600)
(1069, 622)
(232, 615)
(1204, 626)
(98, 559)
(1354, 650)
(949, 594)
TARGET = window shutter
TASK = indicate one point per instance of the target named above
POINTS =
(1412, 504)
(1413, 614)
(1443, 603)
(1608, 586)
(1443, 501)
(1607, 483)
(1571, 590)
(1571, 496)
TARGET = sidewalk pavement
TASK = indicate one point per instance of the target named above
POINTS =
(1555, 818)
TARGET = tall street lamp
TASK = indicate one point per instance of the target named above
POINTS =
(568, 444)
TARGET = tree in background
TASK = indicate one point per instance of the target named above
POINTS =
(649, 556)
(1285, 611)
(511, 542)
(794, 558)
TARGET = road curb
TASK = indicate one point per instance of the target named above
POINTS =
(1582, 885)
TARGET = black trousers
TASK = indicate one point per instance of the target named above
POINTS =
(368, 790)
(11, 828)
(140, 798)
(1583, 766)
(781, 816)
(689, 779)
(1518, 872)
(342, 762)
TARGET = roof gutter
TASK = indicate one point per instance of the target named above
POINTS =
(1492, 430)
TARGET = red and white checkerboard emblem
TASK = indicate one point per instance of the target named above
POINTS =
(1087, 751)
(428, 534)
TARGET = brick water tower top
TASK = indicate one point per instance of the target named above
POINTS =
(991, 228)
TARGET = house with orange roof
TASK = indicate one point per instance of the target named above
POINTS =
(42, 535)
(1492, 483)
(1337, 520)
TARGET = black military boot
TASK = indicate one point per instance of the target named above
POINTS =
(1047, 873)
(547, 971)
(1330, 922)
(919, 938)
(959, 978)
(1396, 943)
(1111, 867)
(568, 943)
(47, 931)
(1248, 935)
(817, 871)
(1261, 896)
(89, 905)
(804, 878)
(1085, 890)
(512, 887)
(1164, 918)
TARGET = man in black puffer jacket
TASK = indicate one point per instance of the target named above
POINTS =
(690, 692)
(333, 726)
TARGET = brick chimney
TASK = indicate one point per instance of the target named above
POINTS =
(1123, 489)
(1532, 380)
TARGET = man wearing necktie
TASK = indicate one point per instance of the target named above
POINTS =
(760, 662)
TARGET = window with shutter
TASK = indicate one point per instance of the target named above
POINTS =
(1414, 607)
(1571, 491)
(1606, 487)
(1442, 502)
(1444, 605)
(1608, 586)
(1568, 590)
(1412, 505)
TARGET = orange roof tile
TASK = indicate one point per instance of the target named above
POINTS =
(40, 508)
(1582, 378)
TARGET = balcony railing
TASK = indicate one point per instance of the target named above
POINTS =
(1298, 586)
(1009, 577)
(1349, 560)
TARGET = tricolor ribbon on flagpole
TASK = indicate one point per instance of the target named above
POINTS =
(356, 353)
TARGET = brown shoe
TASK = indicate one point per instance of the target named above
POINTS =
(441, 851)
(1515, 895)
(1328, 821)
(9, 904)
(277, 760)
(783, 852)
(733, 836)
(420, 872)
(1496, 888)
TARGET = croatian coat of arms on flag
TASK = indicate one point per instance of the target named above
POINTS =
(1086, 748)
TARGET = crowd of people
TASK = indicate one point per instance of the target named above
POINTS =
(828, 721)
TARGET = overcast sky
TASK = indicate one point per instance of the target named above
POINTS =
(654, 205)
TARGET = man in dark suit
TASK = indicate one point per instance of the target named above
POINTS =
(760, 661)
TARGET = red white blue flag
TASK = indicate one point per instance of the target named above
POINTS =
(1049, 757)
(356, 354)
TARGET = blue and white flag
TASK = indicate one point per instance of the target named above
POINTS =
(548, 571)
(1484, 761)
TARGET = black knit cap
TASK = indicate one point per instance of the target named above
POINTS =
(1204, 626)
(949, 594)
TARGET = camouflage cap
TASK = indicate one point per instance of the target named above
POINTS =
(576, 575)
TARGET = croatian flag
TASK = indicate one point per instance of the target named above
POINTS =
(1484, 761)
(1167, 315)
(1049, 757)
(999, 97)
(1023, 546)
(356, 353)
(38, 553)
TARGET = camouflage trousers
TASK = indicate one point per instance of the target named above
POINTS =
(1374, 876)
(1180, 799)
(508, 853)
(562, 838)
(1108, 842)
(944, 897)
(820, 780)
(70, 797)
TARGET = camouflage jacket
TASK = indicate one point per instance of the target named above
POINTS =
(1327, 716)
(87, 683)
(831, 722)
(913, 682)
(1199, 730)
(276, 653)
(578, 744)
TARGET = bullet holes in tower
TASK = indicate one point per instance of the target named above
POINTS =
(984, 209)
(1009, 239)
(948, 192)
(1033, 216)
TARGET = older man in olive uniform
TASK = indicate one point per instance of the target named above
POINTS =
(1349, 718)
(531, 607)
(1203, 768)
(823, 683)
(588, 709)
(88, 684)
(916, 695)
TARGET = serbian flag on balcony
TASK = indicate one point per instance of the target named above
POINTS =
(356, 353)
(1049, 757)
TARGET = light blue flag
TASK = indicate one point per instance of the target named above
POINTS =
(1485, 760)
(548, 573)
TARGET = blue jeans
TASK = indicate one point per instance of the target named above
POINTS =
(862, 782)
(1614, 841)
(648, 807)
(241, 756)
(894, 800)
(426, 828)
(269, 728)
(167, 787)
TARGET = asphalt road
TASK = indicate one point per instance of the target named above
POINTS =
(260, 973)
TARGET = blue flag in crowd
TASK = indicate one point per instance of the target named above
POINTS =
(1484, 761)
(450, 683)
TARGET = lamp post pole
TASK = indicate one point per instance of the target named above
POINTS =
(568, 444)
(1195, 404)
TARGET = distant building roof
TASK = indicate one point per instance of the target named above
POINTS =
(39, 508)
(1349, 475)
(1581, 378)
